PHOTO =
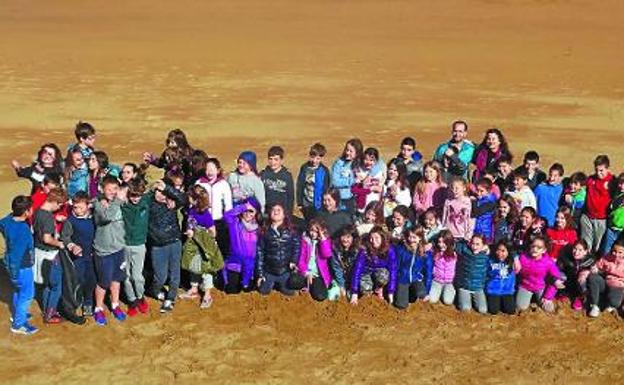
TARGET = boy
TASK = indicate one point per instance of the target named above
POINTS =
(109, 246)
(483, 208)
(412, 159)
(615, 222)
(594, 218)
(19, 260)
(548, 194)
(78, 234)
(48, 271)
(312, 182)
(575, 195)
(164, 235)
(535, 176)
(504, 177)
(278, 181)
(522, 194)
(135, 215)
(85, 137)
(452, 165)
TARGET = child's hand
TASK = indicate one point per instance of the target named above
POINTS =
(390, 298)
(15, 164)
(171, 204)
(260, 280)
(60, 218)
(75, 249)
(428, 246)
(343, 292)
(354, 299)
(309, 278)
(426, 299)
(568, 198)
(189, 233)
(559, 284)
(594, 270)
(517, 265)
(104, 204)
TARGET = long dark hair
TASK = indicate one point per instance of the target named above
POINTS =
(56, 165)
(286, 225)
(504, 147)
(449, 241)
(356, 143)
(382, 252)
(348, 230)
(510, 251)
(401, 171)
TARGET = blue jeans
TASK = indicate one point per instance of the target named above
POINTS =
(24, 290)
(166, 264)
(85, 270)
(52, 285)
(271, 280)
(609, 239)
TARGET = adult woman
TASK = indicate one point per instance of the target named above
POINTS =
(492, 148)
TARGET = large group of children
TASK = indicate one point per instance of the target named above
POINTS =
(466, 228)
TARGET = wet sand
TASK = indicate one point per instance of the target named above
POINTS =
(249, 74)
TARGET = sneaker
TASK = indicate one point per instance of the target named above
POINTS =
(87, 311)
(594, 312)
(119, 314)
(166, 307)
(26, 329)
(206, 303)
(52, 319)
(132, 310)
(28, 317)
(610, 310)
(577, 304)
(143, 305)
(548, 306)
(100, 318)
(160, 296)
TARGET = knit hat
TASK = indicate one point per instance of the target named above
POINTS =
(250, 158)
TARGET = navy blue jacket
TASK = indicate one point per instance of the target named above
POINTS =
(472, 269)
(413, 267)
(276, 250)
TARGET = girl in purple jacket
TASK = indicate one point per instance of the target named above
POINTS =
(315, 254)
(375, 267)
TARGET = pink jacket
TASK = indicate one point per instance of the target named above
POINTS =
(533, 272)
(433, 196)
(614, 270)
(456, 217)
(323, 254)
(444, 268)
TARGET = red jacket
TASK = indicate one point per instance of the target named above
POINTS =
(559, 240)
(598, 196)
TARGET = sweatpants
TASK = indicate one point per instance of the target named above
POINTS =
(23, 294)
(166, 264)
(409, 293)
(134, 285)
(504, 303)
(597, 285)
(467, 299)
(444, 290)
(592, 231)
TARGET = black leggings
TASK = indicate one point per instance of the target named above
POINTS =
(506, 303)
(233, 285)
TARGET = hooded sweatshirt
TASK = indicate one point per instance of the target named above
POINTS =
(278, 187)
(247, 186)
(598, 196)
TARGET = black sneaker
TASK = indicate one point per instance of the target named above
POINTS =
(166, 306)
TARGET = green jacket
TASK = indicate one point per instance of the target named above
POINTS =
(136, 220)
(204, 244)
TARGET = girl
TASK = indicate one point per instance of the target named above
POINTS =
(331, 216)
(456, 212)
(430, 191)
(563, 235)
(472, 273)
(314, 256)
(277, 252)
(396, 189)
(501, 280)
(48, 163)
(76, 173)
(527, 227)
(129, 172)
(375, 267)
(242, 223)
(607, 275)
(245, 181)
(344, 254)
(370, 177)
(400, 222)
(199, 158)
(505, 218)
(444, 263)
(98, 169)
(372, 217)
(431, 225)
(415, 267)
(177, 154)
(576, 267)
(200, 221)
(491, 149)
(615, 221)
(533, 268)
(342, 174)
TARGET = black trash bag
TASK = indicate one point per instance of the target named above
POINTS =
(72, 297)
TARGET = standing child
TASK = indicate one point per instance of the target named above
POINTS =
(415, 269)
(615, 221)
(444, 264)
(412, 159)
(176, 156)
(375, 268)
(345, 252)
(548, 194)
(343, 174)
(503, 178)
(522, 194)
(19, 260)
(369, 180)
(472, 274)
(85, 139)
(530, 165)
(575, 195)
(245, 181)
(429, 191)
(457, 211)
(576, 268)
(312, 182)
(593, 223)
(48, 163)
(396, 190)
(501, 280)
(562, 236)
(314, 256)
(607, 276)
(76, 173)
(99, 168)
(505, 218)
(483, 208)
(278, 181)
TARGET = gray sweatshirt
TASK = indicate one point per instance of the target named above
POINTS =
(247, 186)
(109, 228)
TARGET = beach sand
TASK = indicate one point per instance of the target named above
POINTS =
(249, 74)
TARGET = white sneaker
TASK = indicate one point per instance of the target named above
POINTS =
(594, 312)
(610, 310)
(161, 296)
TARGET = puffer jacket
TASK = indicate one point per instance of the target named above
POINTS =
(276, 250)
(323, 254)
(365, 264)
(413, 267)
(573, 269)
(472, 268)
(483, 212)
(501, 278)
(613, 270)
(444, 268)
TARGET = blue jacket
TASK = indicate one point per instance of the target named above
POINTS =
(19, 245)
(501, 278)
(483, 212)
(321, 183)
(547, 197)
(413, 267)
(342, 177)
(472, 269)
(78, 181)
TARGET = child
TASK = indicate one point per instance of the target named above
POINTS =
(343, 175)
(278, 181)
(444, 264)
(505, 218)
(345, 252)
(615, 221)
(375, 268)
(607, 276)
(176, 156)
(501, 280)
(244, 180)
(530, 165)
(50, 182)
(415, 268)
(483, 210)
(330, 215)
(431, 225)
(522, 194)
(429, 191)
(533, 268)
(164, 237)
(396, 190)
(314, 256)
(457, 211)
(504, 177)
(19, 260)
(48, 271)
(109, 244)
(563, 235)
(574, 196)
(412, 159)
(76, 172)
(372, 217)
(370, 177)
(78, 234)
(528, 226)
(99, 168)
(48, 163)
(548, 194)
(85, 139)
(277, 253)
(401, 221)
(593, 221)
(451, 165)
(242, 222)
(135, 212)
(576, 268)
(472, 273)
(312, 181)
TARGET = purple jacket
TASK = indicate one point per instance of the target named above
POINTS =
(323, 254)
(367, 265)
(242, 256)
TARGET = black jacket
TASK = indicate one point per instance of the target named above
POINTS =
(276, 250)
(163, 227)
(278, 188)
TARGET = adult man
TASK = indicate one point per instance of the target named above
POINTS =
(459, 131)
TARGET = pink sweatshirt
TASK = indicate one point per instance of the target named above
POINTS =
(444, 268)
(614, 270)
(456, 217)
(533, 272)
(433, 196)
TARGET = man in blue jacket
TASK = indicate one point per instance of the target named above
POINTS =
(19, 260)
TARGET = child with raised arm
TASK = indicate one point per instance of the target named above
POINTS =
(548, 194)
(314, 259)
